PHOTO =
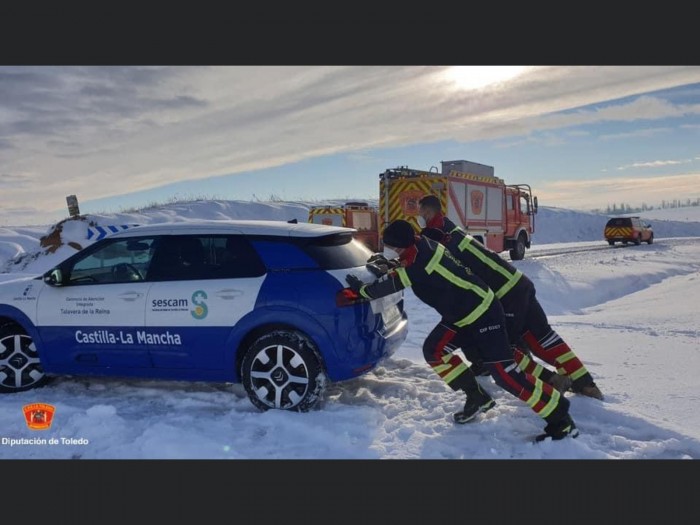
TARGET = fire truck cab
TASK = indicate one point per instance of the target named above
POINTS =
(358, 215)
(500, 216)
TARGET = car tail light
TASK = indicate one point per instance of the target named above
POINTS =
(347, 297)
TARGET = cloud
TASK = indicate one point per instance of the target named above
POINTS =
(655, 164)
(588, 194)
(8, 181)
(107, 131)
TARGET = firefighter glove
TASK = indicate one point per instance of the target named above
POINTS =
(354, 282)
(377, 268)
(377, 258)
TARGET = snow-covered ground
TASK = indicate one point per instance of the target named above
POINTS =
(630, 313)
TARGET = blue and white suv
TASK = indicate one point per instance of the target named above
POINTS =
(258, 302)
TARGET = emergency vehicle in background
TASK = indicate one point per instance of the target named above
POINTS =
(501, 216)
(358, 215)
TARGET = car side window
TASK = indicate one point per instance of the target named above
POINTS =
(196, 257)
(236, 257)
(113, 261)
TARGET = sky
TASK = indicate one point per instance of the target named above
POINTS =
(629, 313)
(122, 137)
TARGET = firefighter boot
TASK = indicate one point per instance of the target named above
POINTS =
(559, 423)
(586, 387)
(563, 427)
(478, 400)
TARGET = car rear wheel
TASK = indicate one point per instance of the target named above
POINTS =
(611, 243)
(20, 367)
(518, 251)
(281, 370)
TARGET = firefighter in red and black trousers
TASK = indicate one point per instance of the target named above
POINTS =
(473, 318)
(526, 321)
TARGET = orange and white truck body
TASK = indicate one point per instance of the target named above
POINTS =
(358, 215)
(501, 216)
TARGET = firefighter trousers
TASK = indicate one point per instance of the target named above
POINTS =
(487, 338)
(529, 331)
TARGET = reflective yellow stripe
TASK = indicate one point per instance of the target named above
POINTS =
(537, 372)
(441, 368)
(524, 362)
(478, 312)
(549, 407)
(435, 259)
(363, 293)
(536, 394)
(401, 272)
(578, 373)
(512, 278)
(458, 371)
(563, 358)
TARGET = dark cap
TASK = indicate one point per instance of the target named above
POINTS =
(399, 234)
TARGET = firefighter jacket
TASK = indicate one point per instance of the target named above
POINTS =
(437, 279)
(494, 270)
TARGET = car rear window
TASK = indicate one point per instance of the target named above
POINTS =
(620, 221)
(337, 251)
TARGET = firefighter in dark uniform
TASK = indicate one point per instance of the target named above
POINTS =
(471, 318)
(526, 321)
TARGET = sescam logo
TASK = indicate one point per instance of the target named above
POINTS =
(39, 416)
(200, 309)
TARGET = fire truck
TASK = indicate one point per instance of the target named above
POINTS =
(358, 215)
(501, 216)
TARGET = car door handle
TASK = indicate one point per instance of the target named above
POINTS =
(229, 293)
(130, 296)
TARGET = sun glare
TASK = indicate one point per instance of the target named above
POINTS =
(475, 77)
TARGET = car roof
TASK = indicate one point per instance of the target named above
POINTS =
(241, 227)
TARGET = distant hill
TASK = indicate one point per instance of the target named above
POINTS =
(561, 225)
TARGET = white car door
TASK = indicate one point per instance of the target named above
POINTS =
(95, 316)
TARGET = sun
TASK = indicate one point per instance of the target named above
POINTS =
(475, 77)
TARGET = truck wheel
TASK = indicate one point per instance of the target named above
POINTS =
(20, 368)
(651, 239)
(611, 243)
(638, 240)
(518, 252)
(281, 370)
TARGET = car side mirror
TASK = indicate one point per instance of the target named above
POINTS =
(54, 277)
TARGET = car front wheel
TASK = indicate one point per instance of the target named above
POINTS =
(20, 367)
(651, 239)
(281, 370)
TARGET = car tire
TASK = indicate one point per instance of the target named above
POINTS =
(611, 243)
(651, 239)
(518, 251)
(638, 240)
(20, 367)
(281, 370)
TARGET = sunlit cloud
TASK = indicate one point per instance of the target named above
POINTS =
(476, 77)
(107, 131)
